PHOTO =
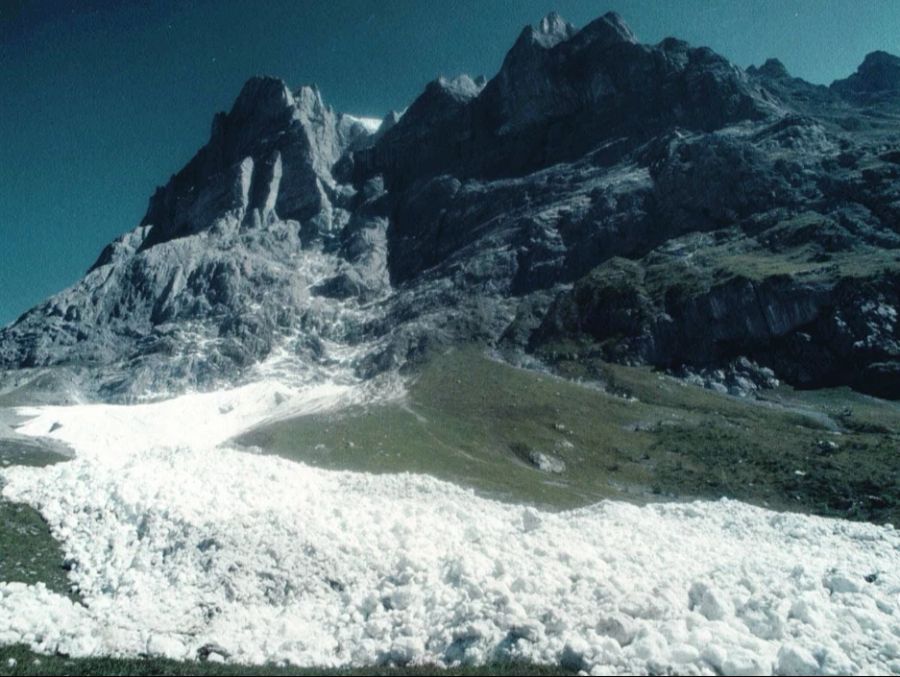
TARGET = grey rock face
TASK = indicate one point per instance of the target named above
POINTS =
(271, 156)
(647, 203)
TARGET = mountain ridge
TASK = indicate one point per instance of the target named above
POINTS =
(494, 211)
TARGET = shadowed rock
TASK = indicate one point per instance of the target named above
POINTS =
(879, 73)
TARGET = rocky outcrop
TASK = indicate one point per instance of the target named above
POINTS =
(819, 329)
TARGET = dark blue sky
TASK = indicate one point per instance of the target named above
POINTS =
(101, 101)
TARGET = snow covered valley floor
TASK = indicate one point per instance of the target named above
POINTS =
(177, 540)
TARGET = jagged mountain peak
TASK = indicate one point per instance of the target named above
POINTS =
(554, 24)
(879, 73)
(553, 30)
(235, 178)
(219, 271)
(269, 101)
(609, 29)
(549, 32)
(879, 59)
(261, 93)
(586, 86)
(439, 104)
(772, 68)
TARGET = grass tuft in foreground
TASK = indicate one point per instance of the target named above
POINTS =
(26, 662)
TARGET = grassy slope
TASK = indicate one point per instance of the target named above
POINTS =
(474, 421)
(28, 553)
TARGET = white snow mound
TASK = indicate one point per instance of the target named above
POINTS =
(179, 541)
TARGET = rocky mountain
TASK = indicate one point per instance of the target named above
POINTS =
(598, 198)
(877, 76)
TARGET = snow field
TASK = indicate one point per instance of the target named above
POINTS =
(178, 541)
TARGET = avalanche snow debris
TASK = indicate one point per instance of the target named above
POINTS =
(184, 543)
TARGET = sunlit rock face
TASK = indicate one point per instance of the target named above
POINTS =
(221, 269)
(271, 156)
(654, 202)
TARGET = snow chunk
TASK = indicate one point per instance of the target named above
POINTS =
(709, 602)
(795, 660)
